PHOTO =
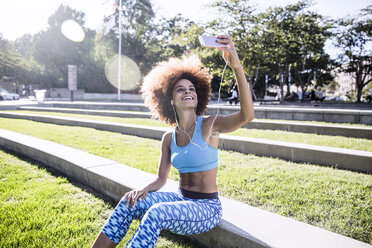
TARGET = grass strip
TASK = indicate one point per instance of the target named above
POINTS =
(336, 200)
(38, 209)
(305, 138)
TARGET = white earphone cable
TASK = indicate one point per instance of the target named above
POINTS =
(218, 103)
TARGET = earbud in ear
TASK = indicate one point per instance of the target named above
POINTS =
(172, 102)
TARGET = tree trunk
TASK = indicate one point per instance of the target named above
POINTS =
(281, 81)
(288, 88)
(256, 76)
(359, 81)
(359, 93)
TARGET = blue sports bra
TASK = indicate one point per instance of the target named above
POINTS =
(196, 156)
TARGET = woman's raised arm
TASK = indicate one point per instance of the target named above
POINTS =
(229, 123)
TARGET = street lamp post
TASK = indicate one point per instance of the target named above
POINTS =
(119, 59)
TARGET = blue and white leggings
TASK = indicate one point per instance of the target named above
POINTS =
(163, 210)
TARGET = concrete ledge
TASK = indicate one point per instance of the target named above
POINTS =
(111, 113)
(339, 130)
(301, 114)
(340, 158)
(241, 224)
(106, 96)
(13, 105)
(137, 130)
(103, 106)
(346, 131)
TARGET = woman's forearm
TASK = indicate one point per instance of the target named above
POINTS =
(245, 96)
(155, 185)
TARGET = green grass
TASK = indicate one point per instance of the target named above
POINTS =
(337, 200)
(305, 138)
(38, 209)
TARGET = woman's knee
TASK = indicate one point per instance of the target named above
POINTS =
(123, 203)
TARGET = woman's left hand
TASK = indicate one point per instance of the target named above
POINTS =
(230, 54)
(133, 196)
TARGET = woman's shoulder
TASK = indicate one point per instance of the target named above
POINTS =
(167, 137)
(210, 118)
(207, 121)
(166, 141)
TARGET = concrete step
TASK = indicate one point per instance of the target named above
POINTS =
(302, 114)
(242, 226)
(284, 113)
(103, 106)
(13, 105)
(339, 158)
(111, 113)
(339, 130)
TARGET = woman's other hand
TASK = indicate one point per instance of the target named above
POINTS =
(135, 195)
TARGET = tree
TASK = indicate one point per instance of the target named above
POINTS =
(239, 19)
(24, 45)
(137, 31)
(354, 38)
(55, 51)
(277, 42)
(17, 64)
(91, 74)
(294, 45)
(4, 61)
(172, 37)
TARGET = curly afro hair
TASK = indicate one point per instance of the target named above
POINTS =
(157, 87)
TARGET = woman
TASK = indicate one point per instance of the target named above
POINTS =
(177, 92)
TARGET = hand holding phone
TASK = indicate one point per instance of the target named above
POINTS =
(210, 41)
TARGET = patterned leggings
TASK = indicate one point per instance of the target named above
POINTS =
(162, 210)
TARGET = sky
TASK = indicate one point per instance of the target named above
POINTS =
(31, 16)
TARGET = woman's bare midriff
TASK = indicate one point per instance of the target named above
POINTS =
(203, 181)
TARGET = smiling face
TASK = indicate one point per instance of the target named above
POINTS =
(184, 94)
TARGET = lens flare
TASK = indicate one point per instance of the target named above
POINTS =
(129, 75)
(72, 31)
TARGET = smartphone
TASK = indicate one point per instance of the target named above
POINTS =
(210, 41)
